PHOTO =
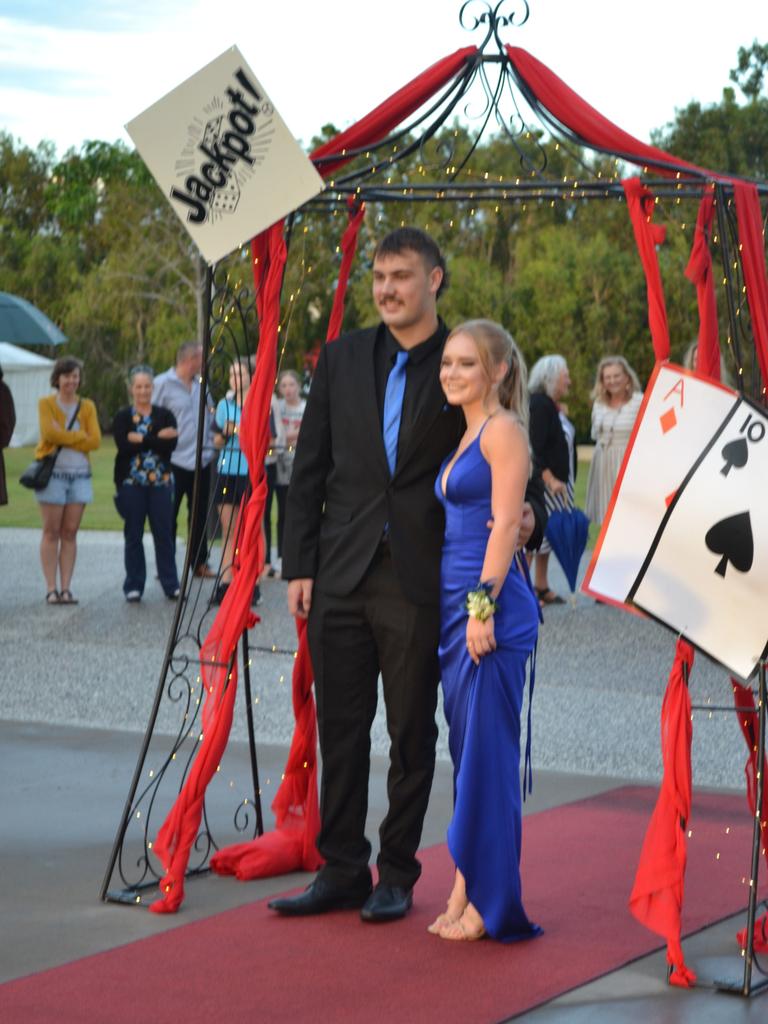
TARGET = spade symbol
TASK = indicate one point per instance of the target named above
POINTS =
(735, 453)
(732, 538)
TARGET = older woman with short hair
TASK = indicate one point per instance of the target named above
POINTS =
(553, 443)
(145, 437)
(69, 426)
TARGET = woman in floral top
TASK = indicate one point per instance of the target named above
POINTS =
(145, 436)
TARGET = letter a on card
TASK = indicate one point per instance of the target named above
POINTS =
(669, 418)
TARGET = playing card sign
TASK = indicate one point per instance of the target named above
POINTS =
(223, 156)
(680, 411)
(706, 572)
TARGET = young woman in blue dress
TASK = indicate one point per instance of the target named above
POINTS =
(489, 626)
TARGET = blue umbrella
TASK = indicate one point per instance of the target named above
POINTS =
(567, 532)
(21, 323)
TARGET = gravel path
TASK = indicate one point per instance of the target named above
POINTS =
(600, 676)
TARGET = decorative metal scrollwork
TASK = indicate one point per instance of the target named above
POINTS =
(174, 731)
(505, 13)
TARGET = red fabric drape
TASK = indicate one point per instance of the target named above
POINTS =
(567, 107)
(699, 272)
(177, 834)
(348, 250)
(750, 225)
(291, 846)
(657, 895)
(744, 698)
(574, 113)
(647, 235)
(388, 115)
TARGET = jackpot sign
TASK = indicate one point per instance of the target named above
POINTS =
(223, 156)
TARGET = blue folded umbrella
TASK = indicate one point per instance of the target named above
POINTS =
(567, 531)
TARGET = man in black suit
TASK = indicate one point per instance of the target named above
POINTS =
(361, 552)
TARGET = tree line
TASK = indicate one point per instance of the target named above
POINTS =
(90, 240)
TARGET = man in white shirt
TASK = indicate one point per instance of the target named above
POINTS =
(178, 389)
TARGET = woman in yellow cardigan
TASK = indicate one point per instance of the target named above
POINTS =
(69, 490)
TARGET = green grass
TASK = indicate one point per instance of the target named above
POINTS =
(580, 497)
(22, 508)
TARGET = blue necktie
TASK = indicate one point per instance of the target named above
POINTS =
(393, 408)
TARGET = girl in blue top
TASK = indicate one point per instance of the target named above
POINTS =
(233, 481)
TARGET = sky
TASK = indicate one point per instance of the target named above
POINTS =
(72, 70)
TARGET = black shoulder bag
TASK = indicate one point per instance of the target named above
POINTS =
(38, 473)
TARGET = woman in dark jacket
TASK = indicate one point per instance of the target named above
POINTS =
(145, 436)
(7, 423)
(552, 441)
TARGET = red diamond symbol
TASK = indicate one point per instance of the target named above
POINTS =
(668, 420)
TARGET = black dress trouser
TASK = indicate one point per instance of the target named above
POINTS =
(184, 480)
(374, 629)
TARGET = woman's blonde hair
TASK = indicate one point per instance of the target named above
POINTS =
(599, 394)
(495, 345)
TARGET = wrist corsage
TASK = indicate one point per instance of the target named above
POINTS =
(479, 604)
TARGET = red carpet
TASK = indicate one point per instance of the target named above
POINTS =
(250, 965)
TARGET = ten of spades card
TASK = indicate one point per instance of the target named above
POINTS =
(680, 411)
(706, 572)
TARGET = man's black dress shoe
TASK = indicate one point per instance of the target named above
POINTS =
(319, 898)
(387, 903)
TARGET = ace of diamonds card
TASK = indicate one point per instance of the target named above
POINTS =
(680, 412)
(706, 572)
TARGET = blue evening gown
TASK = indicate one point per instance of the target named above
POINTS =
(483, 704)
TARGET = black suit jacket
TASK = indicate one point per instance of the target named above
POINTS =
(341, 494)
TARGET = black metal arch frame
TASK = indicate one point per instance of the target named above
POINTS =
(231, 333)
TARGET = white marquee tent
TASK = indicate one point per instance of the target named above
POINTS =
(29, 378)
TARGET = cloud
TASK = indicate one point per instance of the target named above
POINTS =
(68, 83)
(98, 15)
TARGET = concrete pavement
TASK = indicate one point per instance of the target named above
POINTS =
(77, 685)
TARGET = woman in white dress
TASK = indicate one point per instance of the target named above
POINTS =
(616, 402)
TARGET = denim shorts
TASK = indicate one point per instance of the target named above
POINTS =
(67, 489)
